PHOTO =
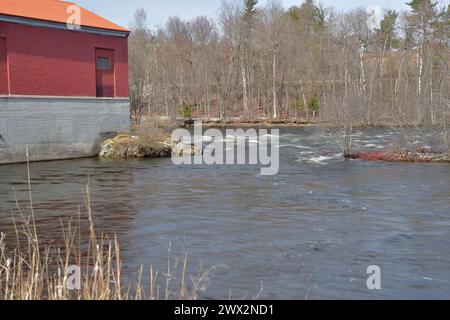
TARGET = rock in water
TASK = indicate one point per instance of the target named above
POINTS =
(125, 146)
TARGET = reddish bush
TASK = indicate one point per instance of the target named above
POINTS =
(384, 156)
(421, 155)
(368, 155)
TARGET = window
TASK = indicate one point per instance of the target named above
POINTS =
(104, 73)
(103, 63)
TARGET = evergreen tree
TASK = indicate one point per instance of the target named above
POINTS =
(388, 29)
(421, 5)
(250, 7)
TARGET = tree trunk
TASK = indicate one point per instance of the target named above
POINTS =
(244, 88)
(274, 85)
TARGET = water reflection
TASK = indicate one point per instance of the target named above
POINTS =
(312, 230)
(60, 196)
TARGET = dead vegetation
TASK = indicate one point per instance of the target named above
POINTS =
(420, 156)
(31, 269)
(146, 146)
(266, 61)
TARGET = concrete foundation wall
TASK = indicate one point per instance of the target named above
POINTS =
(58, 128)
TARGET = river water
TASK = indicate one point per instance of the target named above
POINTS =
(309, 232)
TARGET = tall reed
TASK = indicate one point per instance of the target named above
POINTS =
(33, 270)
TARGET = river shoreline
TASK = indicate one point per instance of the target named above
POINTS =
(259, 123)
(279, 123)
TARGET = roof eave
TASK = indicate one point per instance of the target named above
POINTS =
(62, 26)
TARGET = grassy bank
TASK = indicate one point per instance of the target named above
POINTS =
(35, 269)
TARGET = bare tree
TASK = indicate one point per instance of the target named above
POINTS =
(306, 61)
(139, 56)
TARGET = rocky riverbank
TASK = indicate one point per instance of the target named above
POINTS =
(125, 146)
(254, 123)
(155, 146)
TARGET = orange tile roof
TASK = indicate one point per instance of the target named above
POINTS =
(55, 11)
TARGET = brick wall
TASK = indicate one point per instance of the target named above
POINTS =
(52, 62)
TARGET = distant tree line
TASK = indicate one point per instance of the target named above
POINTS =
(307, 61)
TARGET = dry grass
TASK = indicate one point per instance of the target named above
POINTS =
(342, 136)
(32, 270)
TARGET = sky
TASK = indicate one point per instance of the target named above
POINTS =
(122, 11)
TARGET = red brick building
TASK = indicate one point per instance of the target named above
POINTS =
(40, 56)
(63, 80)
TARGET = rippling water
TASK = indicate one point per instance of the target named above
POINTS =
(310, 231)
